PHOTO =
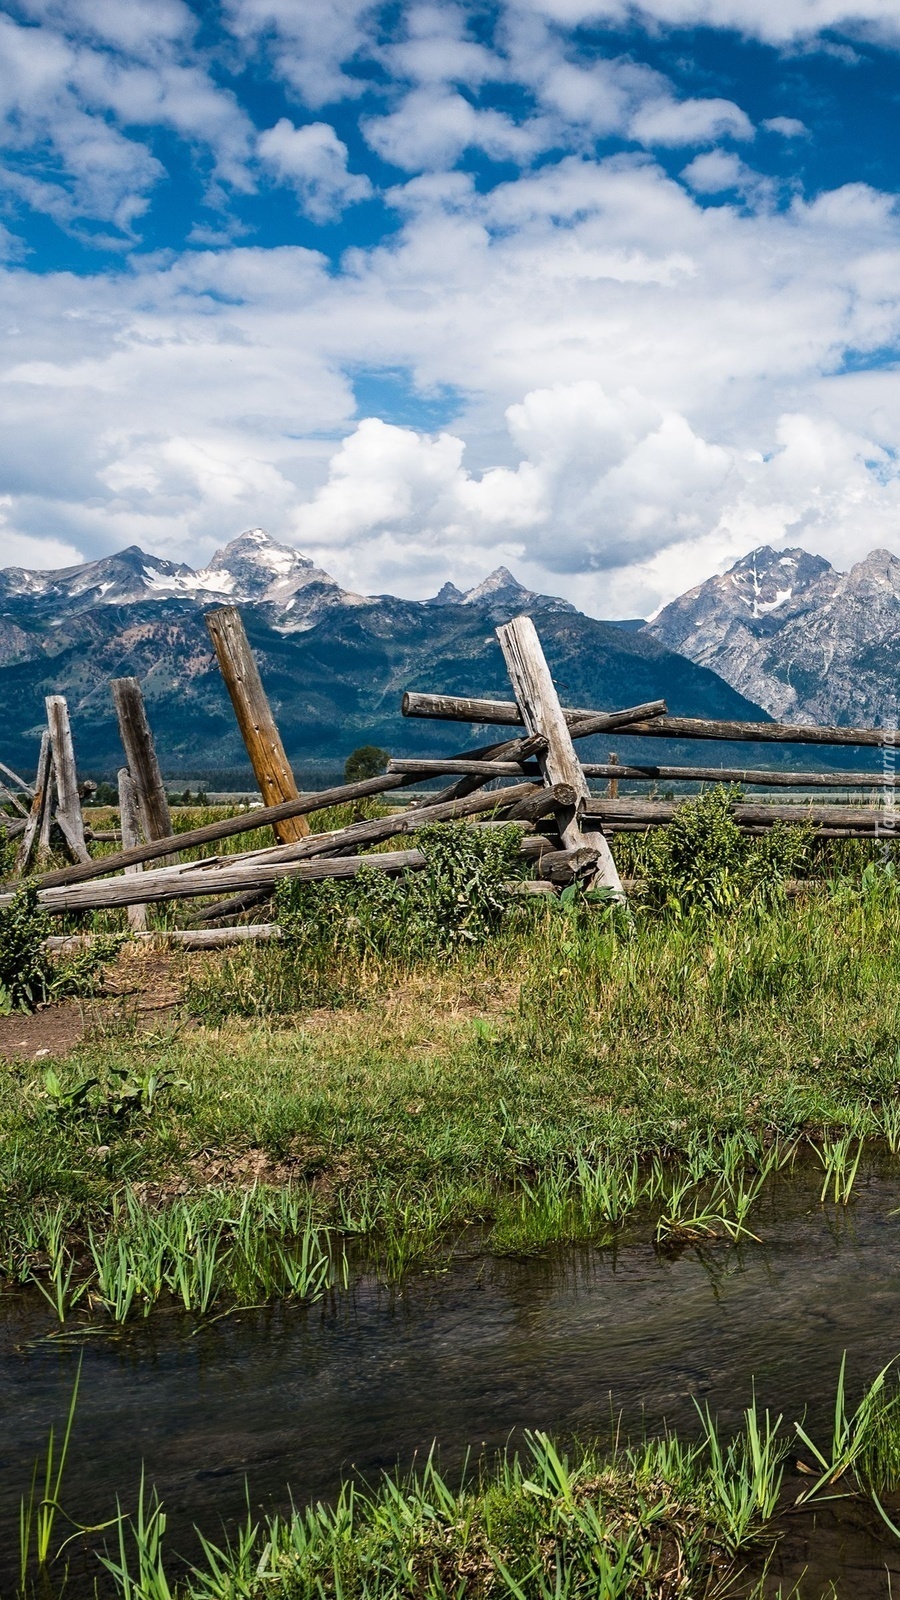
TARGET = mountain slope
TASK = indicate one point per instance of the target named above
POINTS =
(335, 664)
(806, 642)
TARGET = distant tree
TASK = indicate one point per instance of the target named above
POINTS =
(366, 762)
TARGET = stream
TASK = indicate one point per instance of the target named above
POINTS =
(288, 1400)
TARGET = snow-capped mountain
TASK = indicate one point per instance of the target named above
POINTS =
(808, 643)
(335, 663)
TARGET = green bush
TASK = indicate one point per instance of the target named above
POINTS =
(29, 976)
(702, 860)
(457, 899)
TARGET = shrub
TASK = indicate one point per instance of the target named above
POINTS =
(28, 974)
(702, 860)
(457, 899)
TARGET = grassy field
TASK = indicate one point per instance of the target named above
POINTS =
(566, 1075)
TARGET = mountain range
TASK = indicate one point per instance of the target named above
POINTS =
(804, 641)
(334, 663)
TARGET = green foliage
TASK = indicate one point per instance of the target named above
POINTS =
(702, 860)
(29, 977)
(367, 762)
(458, 899)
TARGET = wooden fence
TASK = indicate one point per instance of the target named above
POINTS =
(533, 779)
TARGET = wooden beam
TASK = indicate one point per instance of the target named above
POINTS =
(458, 708)
(542, 713)
(654, 812)
(769, 778)
(131, 835)
(461, 708)
(20, 783)
(106, 893)
(259, 730)
(180, 938)
(140, 754)
(68, 804)
(38, 802)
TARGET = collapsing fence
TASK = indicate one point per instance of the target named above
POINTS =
(564, 828)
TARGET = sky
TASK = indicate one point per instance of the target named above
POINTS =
(603, 292)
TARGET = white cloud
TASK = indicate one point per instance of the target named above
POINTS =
(314, 160)
(677, 122)
(627, 363)
(433, 129)
(788, 127)
(775, 21)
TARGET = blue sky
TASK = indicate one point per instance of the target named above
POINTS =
(607, 293)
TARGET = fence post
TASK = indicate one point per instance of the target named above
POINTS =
(542, 713)
(140, 754)
(39, 803)
(131, 835)
(68, 805)
(259, 730)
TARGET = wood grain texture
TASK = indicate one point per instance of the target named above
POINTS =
(131, 835)
(259, 729)
(68, 804)
(38, 803)
(462, 708)
(542, 713)
(140, 755)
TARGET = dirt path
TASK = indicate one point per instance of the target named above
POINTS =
(141, 991)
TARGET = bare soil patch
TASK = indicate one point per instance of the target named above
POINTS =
(141, 990)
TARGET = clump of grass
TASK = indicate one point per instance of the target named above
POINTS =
(334, 929)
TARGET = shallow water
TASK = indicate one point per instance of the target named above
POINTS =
(291, 1400)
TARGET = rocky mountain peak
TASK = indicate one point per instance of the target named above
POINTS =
(765, 580)
(447, 595)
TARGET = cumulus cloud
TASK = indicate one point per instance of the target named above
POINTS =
(628, 364)
(788, 127)
(433, 129)
(314, 160)
(677, 122)
(775, 21)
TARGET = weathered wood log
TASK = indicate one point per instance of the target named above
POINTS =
(136, 915)
(38, 802)
(48, 814)
(68, 803)
(562, 866)
(524, 888)
(259, 729)
(148, 887)
(402, 822)
(186, 938)
(12, 827)
(769, 778)
(458, 708)
(140, 755)
(20, 783)
(539, 704)
(8, 796)
(758, 732)
(561, 797)
(485, 770)
(516, 751)
(462, 708)
(871, 818)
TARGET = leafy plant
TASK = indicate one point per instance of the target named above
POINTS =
(24, 964)
(459, 898)
(702, 860)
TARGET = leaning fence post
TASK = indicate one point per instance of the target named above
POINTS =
(131, 835)
(140, 754)
(68, 804)
(259, 730)
(39, 803)
(542, 713)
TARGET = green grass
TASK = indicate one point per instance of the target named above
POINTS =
(666, 1517)
(570, 1075)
